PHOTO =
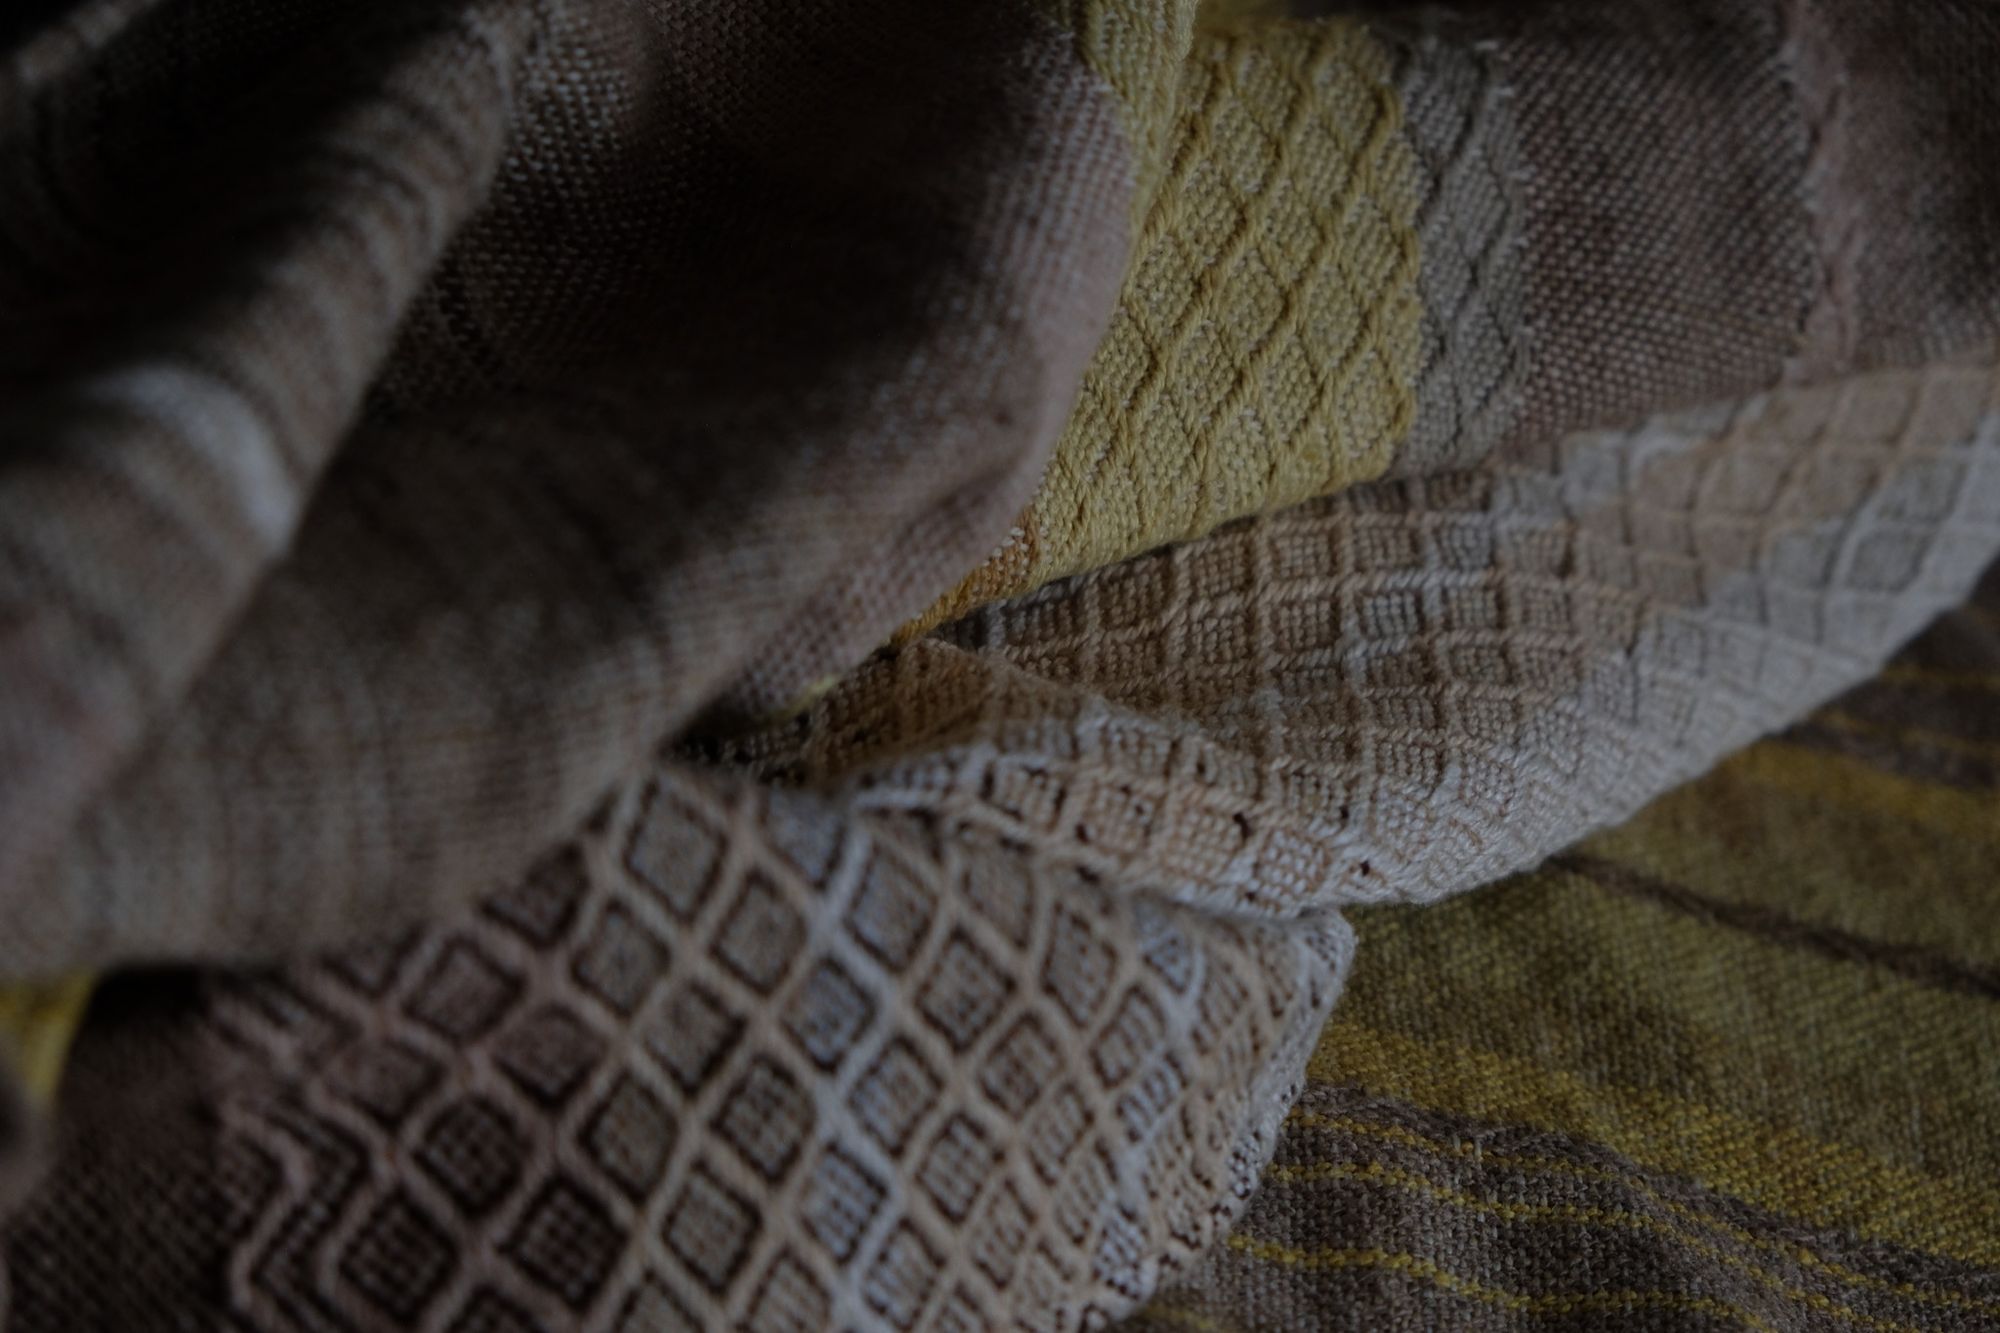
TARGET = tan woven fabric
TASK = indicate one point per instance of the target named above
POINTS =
(1734, 1064)
(460, 457)
(801, 338)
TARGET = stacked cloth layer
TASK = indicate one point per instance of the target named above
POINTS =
(669, 665)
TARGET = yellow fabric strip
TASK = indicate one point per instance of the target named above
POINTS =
(1855, 786)
(36, 1024)
(1822, 1184)
(1135, 46)
(1557, 970)
(1165, 1312)
(1266, 343)
(1858, 864)
(1932, 676)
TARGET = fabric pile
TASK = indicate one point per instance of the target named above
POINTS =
(669, 665)
(1732, 1065)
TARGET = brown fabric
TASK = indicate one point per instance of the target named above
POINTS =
(1712, 199)
(440, 437)
(1906, 200)
(138, 1080)
(798, 358)
(1475, 335)
(1811, 173)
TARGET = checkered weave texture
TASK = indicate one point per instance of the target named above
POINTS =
(462, 455)
(1729, 1065)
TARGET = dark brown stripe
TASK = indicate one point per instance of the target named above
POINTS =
(1926, 967)
(1962, 641)
(1964, 706)
(1903, 756)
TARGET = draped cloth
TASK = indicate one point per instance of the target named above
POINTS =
(678, 665)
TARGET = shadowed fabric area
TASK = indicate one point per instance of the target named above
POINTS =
(793, 666)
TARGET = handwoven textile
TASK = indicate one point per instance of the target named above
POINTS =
(1731, 1065)
(689, 666)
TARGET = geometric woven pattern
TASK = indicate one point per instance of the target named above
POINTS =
(1734, 1061)
(1264, 346)
(828, 1102)
(419, 496)
(993, 1023)
(1470, 187)
(1416, 687)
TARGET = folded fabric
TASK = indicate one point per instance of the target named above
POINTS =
(1735, 1064)
(463, 454)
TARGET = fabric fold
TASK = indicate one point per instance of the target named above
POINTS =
(560, 530)
(730, 666)
(184, 349)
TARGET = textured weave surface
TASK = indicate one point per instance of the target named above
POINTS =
(1730, 1065)
(641, 1080)
(1264, 348)
(807, 364)
(729, 1058)
(444, 442)
(1414, 687)
(1402, 246)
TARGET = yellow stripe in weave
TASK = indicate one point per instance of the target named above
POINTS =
(1856, 787)
(1622, 990)
(1821, 1183)
(1894, 859)
(1137, 47)
(36, 1024)
(1265, 345)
